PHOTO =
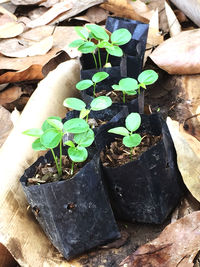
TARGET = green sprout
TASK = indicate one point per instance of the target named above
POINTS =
(51, 135)
(102, 41)
(96, 78)
(130, 139)
(147, 77)
(97, 104)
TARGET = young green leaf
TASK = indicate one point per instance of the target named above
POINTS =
(148, 77)
(33, 132)
(133, 121)
(51, 138)
(36, 145)
(98, 32)
(128, 84)
(69, 143)
(104, 44)
(77, 154)
(84, 84)
(132, 140)
(74, 103)
(87, 47)
(99, 76)
(115, 51)
(84, 112)
(46, 125)
(76, 125)
(84, 139)
(119, 130)
(116, 87)
(100, 103)
(55, 124)
(82, 32)
(77, 43)
(120, 37)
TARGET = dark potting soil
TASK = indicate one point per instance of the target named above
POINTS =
(117, 97)
(117, 154)
(48, 173)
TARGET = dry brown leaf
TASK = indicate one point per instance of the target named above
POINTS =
(26, 2)
(6, 124)
(50, 14)
(94, 14)
(179, 55)
(32, 73)
(14, 48)
(9, 95)
(174, 25)
(127, 9)
(177, 245)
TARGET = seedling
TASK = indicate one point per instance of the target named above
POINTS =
(130, 139)
(51, 134)
(96, 78)
(97, 104)
(102, 41)
(147, 77)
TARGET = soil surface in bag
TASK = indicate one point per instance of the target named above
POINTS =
(149, 188)
(72, 216)
(133, 50)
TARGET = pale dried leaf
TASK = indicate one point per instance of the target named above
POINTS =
(94, 14)
(49, 3)
(11, 29)
(15, 115)
(141, 8)
(36, 13)
(9, 6)
(39, 48)
(50, 14)
(154, 37)
(174, 25)
(6, 124)
(9, 95)
(6, 12)
(177, 245)
(178, 55)
(26, 2)
(4, 1)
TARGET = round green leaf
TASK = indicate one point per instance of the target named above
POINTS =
(128, 84)
(84, 112)
(33, 132)
(82, 32)
(51, 138)
(148, 77)
(77, 154)
(119, 130)
(77, 43)
(84, 84)
(84, 139)
(100, 103)
(115, 51)
(74, 103)
(116, 87)
(98, 32)
(133, 121)
(132, 140)
(76, 125)
(104, 44)
(46, 125)
(69, 143)
(36, 145)
(87, 47)
(120, 36)
(99, 76)
(55, 124)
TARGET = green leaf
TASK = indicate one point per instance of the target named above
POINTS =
(87, 47)
(116, 87)
(84, 139)
(128, 84)
(132, 140)
(82, 32)
(84, 84)
(77, 154)
(77, 43)
(133, 121)
(148, 77)
(74, 103)
(76, 125)
(46, 125)
(120, 36)
(104, 44)
(69, 143)
(119, 130)
(99, 76)
(33, 132)
(100, 103)
(36, 145)
(98, 32)
(51, 138)
(84, 112)
(56, 124)
(115, 51)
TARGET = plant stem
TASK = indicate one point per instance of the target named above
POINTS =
(94, 87)
(56, 161)
(95, 61)
(107, 58)
(72, 168)
(61, 155)
(131, 153)
(124, 97)
(99, 56)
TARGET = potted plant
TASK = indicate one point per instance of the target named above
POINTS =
(60, 188)
(141, 172)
